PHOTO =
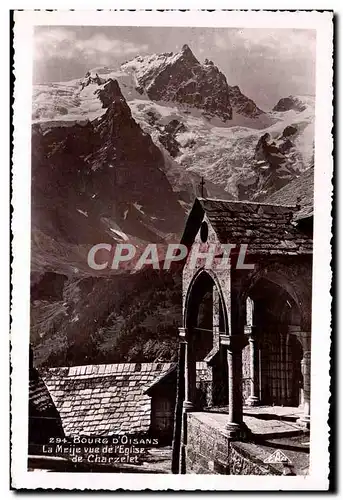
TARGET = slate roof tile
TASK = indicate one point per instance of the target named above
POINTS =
(100, 404)
(264, 227)
(95, 399)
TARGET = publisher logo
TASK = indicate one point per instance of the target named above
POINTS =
(278, 457)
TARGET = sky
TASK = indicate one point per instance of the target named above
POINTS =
(266, 64)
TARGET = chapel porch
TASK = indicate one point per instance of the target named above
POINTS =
(272, 430)
(251, 325)
(264, 421)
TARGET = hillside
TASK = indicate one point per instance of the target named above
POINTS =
(105, 320)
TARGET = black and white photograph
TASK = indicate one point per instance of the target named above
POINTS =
(172, 199)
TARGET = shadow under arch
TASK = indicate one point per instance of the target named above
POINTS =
(294, 284)
(277, 315)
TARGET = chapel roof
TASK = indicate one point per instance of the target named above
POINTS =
(267, 228)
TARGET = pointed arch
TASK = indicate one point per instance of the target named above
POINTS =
(209, 276)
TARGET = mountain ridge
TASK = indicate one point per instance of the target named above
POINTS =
(169, 77)
(111, 165)
(246, 157)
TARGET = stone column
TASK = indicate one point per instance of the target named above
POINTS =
(234, 345)
(288, 387)
(189, 392)
(283, 369)
(216, 317)
(253, 399)
(305, 339)
(215, 386)
(190, 370)
(178, 416)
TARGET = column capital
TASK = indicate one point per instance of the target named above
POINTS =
(182, 333)
(295, 329)
(303, 336)
(234, 342)
(250, 331)
(307, 356)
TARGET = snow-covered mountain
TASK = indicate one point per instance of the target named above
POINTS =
(134, 142)
(98, 181)
(118, 156)
(235, 158)
(179, 78)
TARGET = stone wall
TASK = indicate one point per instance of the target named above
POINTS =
(207, 449)
(210, 451)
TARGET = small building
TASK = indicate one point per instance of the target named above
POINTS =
(107, 399)
(121, 398)
(44, 419)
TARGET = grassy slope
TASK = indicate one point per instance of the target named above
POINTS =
(107, 320)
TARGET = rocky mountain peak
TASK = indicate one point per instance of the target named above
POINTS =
(290, 103)
(241, 104)
(181, 78)
(275, 164)
(186, 52)
(102, 170)
(185, 48)
(111, 96)
(91, 78)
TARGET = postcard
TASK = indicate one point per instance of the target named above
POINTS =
(172, 185)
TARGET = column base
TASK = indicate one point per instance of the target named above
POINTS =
(252, 401)
(188, 406)
(304, 421)
(237, 431)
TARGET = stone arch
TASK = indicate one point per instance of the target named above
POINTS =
(203, 341)
(200, 274)
(294, 283)
(282, 307)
